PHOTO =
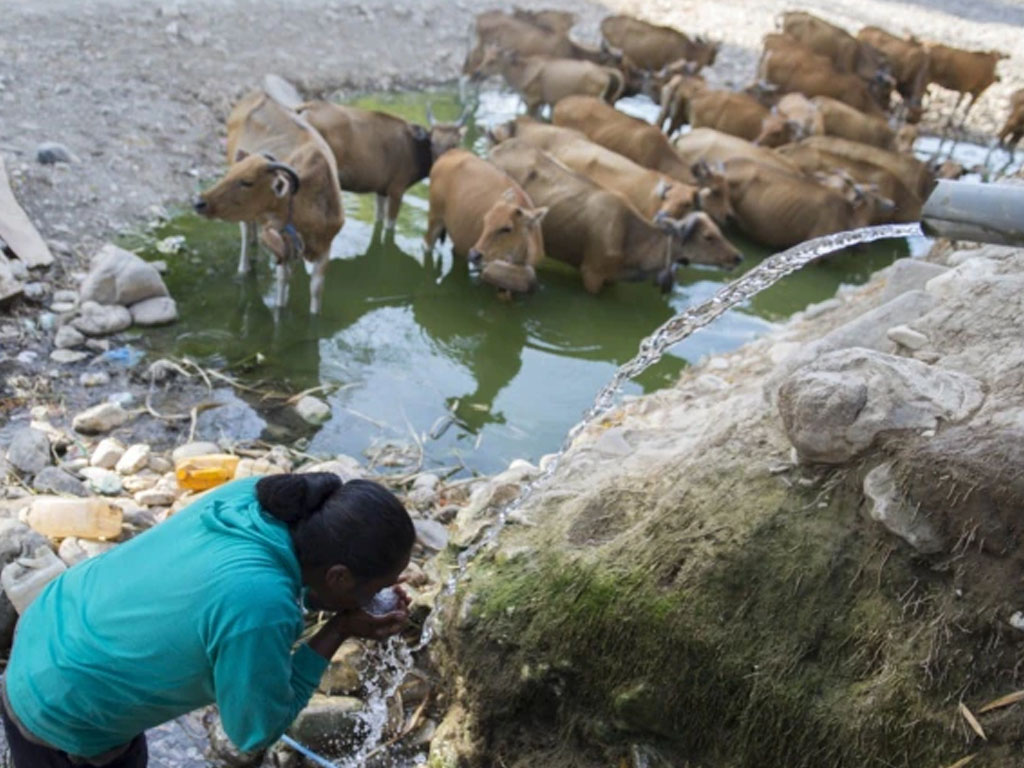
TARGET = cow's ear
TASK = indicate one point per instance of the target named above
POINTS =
(534, 217)
(281, 185)
(700, 170)
(419, 132)
(240, 155)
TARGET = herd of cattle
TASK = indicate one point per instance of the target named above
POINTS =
(813, 147)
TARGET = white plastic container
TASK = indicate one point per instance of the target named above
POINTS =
(25, 577)
(59, 518)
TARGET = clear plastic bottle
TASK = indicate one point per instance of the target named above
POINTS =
(25, 577)
(200, 473)
(59, 518)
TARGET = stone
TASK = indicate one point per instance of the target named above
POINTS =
(63, 307)
(107, 453)
(56, 480)
(901, 518)
(834, 408)
(141, 482)
(158, 310)
(120, 277)
(345, 467)
(94, 379)
(431, 534)
(102, 481)
(421, 498)
(344, 673)
(65, 296)
(29, 451)
(100, 418)
(71, 552)
(134, 459)
(68, 356)
(16, 540)
(313, 410)
(198, 448)
(124, 399)
(907, 337)
(256, 468)
(160, 464)
(328, 721)
(908, 275)
(156, 497)
(426, 480)
(27, 357)
(101, 319)
(35, 291)
(50, 152)
(67, 337)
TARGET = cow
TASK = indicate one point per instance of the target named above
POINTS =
(824, 116)
(653, 194)
(740, 115)
(914, 174)
(781, 209)
(490, 219)
(541, 80)
(644, 144)
(558, 22)
(908, 61)
(652, 47)
(710, 146)
(600, 233)
(381, 153)
(847, 54)
(816, 158)
(674, 98)
(795, 68)
(1013, 129)
(967, 72)
(529, 37)
(283, 176)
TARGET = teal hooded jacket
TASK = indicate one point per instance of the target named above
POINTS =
(203, 608)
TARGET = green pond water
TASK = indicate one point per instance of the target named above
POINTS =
(412, 343)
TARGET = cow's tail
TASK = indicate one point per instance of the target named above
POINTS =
(616, 85)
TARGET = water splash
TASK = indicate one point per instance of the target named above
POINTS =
(651, 350)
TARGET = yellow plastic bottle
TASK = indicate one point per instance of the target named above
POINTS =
(200, 473)
(59, 518)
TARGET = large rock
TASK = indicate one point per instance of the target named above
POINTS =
(908, 275)
(29, 451)
(834, 408)
(100, 418)
(16, 539)
(56, 480)
(120, 277)
(344, 674)
(101, 319)
(330, 724)
(158, 310)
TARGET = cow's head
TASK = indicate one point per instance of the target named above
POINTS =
(694, 239)
(254, 185)
(511, 234)
(675, 200)
(445, 136)
(714, 191)
(868, 204)
(777, 130)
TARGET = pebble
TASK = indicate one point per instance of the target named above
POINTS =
(188, 450)
(313, 410)
(124, 399)
(103, 481)
(907, 337)
(62, 307)
(66, 296)
(155, 497)
(50, 152)
(29, 451)
(431, 534)
(56, 480)
(141, 482)
(158, 310)
(97, 379)
(67, 356)
(100, 418)
(35, 291)
(160, 464)
(47, 321)
(107, 453)
(27, 357)
(68, 337)
(99, 319)
(134, 459)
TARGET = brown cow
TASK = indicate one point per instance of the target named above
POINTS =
(652, 47)
(675, 98)
(559, 22)
(1013, 130)
(739, 115)
(967, 72)
(283, 175)
(494, 28)
(542, 80)
(823, 116)
(908, 61)
(601, 234)
(914, 174)
(795, 68)
(642, 143)
(781, 209)
(711, 146)
(489, 218)
(650, 192)
(378, 152)
(847, 54)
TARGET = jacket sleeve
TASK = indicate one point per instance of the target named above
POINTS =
(261, 686)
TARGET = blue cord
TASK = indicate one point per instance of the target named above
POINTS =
(307, 752)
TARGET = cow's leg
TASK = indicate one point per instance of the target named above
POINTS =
(316, 282)
(381, 207)
(435, 226)
(282, 273)
(394, 204)
(244, 262)
(592, 279)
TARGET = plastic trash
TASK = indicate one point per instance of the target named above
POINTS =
(200, 473)
(25, 577)
(127, 356)
(59, 518)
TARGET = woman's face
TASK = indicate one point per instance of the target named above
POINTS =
(338, 589)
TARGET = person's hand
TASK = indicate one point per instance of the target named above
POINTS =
(359, 623)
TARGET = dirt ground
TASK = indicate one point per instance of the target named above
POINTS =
(139, 91)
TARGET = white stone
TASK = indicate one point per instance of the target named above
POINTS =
(68, 356)
(134, 459)
(68, 337)
(1017, 620)
(156, 497)
(889, 508)
(431, 534)
(107, 453)
(908, 275)
(120, 277)
(100, 319)
(94, 379)
(100, 418)
(188, 450)
(104, 481)
(29, 451)
(907, 337)
(158, 310)
(346, 467)
(313, 410)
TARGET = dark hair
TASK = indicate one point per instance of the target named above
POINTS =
(359, 524)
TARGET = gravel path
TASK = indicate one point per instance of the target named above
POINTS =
(139, 91)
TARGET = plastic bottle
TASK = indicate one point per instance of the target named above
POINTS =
(59, 518)
(200, 473)
(25, 577)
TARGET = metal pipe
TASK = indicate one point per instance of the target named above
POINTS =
(307, 752)
(985, 213)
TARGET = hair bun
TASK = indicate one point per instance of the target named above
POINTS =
(292, 497)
